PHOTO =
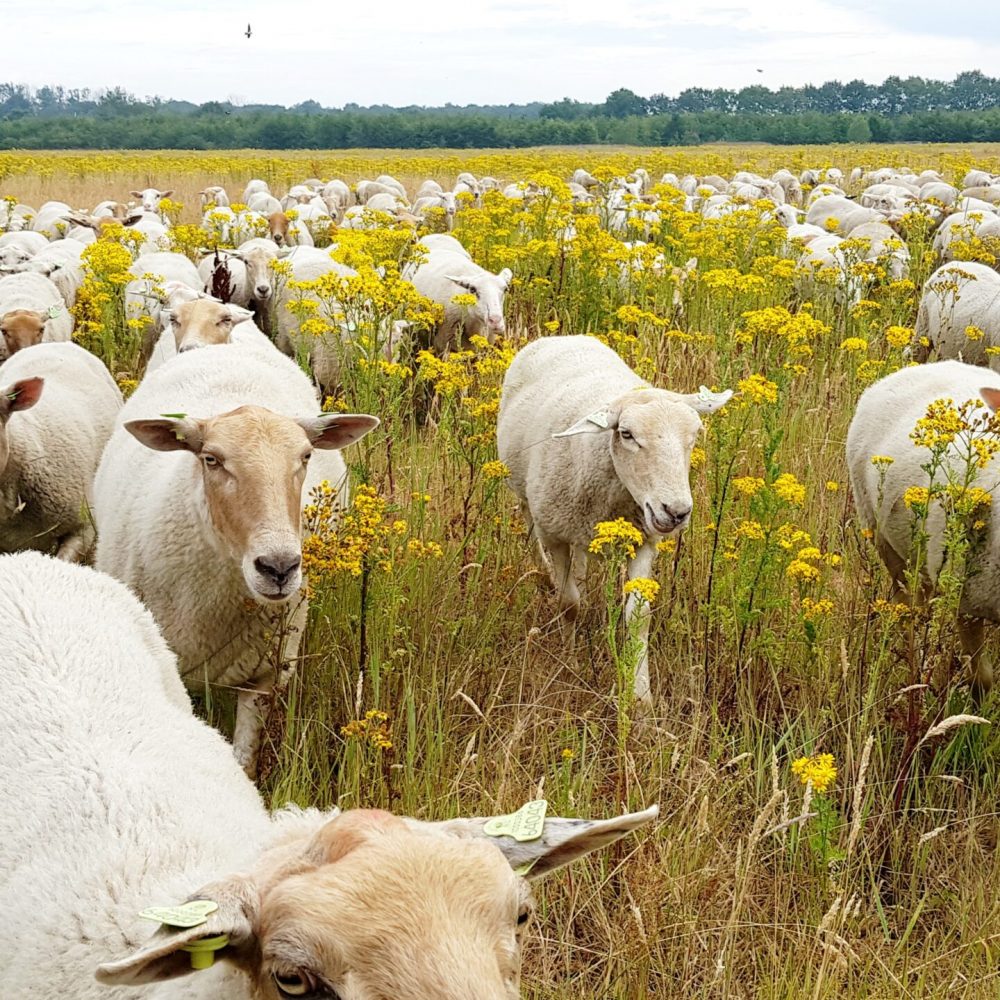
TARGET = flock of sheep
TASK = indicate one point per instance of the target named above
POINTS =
(187, 497)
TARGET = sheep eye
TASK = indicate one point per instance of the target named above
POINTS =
(306, 457)
(211, 461)
(626, 435)
(293, 985)
(522, 917)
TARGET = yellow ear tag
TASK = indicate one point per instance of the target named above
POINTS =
(526, 824)
(183, 915)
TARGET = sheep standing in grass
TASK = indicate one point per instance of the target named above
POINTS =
(208, 535)
(587, 440)
(57, 408)
(115, 798)
(886, 415)
(958, 315)
(445, 274)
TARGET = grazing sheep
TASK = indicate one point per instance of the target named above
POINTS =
(445, 274)
(254, 187)
(32, 311)
(883, 421)
(847, 214)
(214, 195)
(145, 294)
(264, 202)
(367, 903)
(959, 299)
(51, 220)
(961, 226)
(442, 241)
(16, 248)
(587, 180)
(288, 232)
(57, 408)
(61, 263)
(443, 200)
(588, 440)
(223, 513)
(885, 247)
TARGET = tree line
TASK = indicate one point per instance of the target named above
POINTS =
(966, 109)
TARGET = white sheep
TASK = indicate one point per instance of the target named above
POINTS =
(57, 408)
(886, 415)
(264, 202)
(215, 194)
(17, 247)
(140, 815)
(847, 214)
(588, 440)
(51, 220)
(442, 200)
(587, 180)
(960, 226)
(145, 294)
(959, 314)
(223, 517)
(202, 322)
(442, 241)
(252, 188)
(445, 274)
(32, 311)
(885, 247)
(61, 263)
(150, 199)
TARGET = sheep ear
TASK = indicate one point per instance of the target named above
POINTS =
(505, 276)
(462, 283)
(561, 840)
(22, 395)
(592, 423)
(136, 194)
(337, 430)
(240, 315)
(162, 957)
(991, 397)
(706, 401)
(168, 433)
(166, 194)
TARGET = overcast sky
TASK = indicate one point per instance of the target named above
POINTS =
(480, 51)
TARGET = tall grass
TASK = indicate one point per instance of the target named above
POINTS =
(768, 641)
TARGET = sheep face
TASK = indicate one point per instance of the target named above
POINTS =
(13, 256)
(373, 905)
(151, 198)
(253, 466)
(22, 328)
(651, 435)
(259, 275)
(21, 395)
(489, 292)
(203, 322)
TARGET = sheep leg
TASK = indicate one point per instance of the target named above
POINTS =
(637, 614)
(247, 733)
(971, 633)
(76, 547)
(561, 570)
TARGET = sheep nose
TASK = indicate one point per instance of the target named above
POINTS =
(263, 291)
(279, 567)
(676, 514)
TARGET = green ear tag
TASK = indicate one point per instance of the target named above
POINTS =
(54, 311)
(203, 950)
(600, 418)
(183, 915)
(526, 824)
(174, 416)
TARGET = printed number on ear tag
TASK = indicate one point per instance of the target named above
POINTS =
(183, 914)
(526, 824)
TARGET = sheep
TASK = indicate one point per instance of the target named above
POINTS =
(224, 275)
(573, 418)
(61, 263)
(289, 232)
(883, 421)
(112, 210)
(16, 248)
(959, 227)
(429, 189)
(445, 274)
(337, 192)
(51, 220)
(150, 199)
(223, 518)
(32, 311)
(264, 203)
(825, 254)
(17, 217)
(253, 187)
(201, 322)
(145, 294)
(884, 247)
(387, 180)
(219, 222)
(366, 190)
(587, 180)
(140, 815)
(957, 297)
(213, 195)
(443, 200)
(442, 241)
(977, 178)
(940, 192)
(389, 203)
(298, 194)
(847, 214)
(57, 408)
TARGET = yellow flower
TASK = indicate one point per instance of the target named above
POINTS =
(567, 753)
(552, 325)
(757, 389)
(751, 530)
(667, 545)
(495, 470)
(832, 485)
(898, 336)
(789, 489)
(619, 537)
(974, 333)
(464, 299)
(917, 498)
(646, 589)
(698, 458)
(832, 224)
(799, 569)
(813, 611)
(854, 344)
(878, 460)
(818, 770)
(748, 486)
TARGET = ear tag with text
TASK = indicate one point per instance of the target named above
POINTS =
(525, 824)
(183, 914)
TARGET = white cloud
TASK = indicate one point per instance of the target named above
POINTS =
(477, 51)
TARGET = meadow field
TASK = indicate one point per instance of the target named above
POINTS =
(438, 680)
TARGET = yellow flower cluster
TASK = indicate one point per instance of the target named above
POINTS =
(758, 389)
(647, 590)
(615, 538)
(372, 729)
(789, 489)
(819, 770)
